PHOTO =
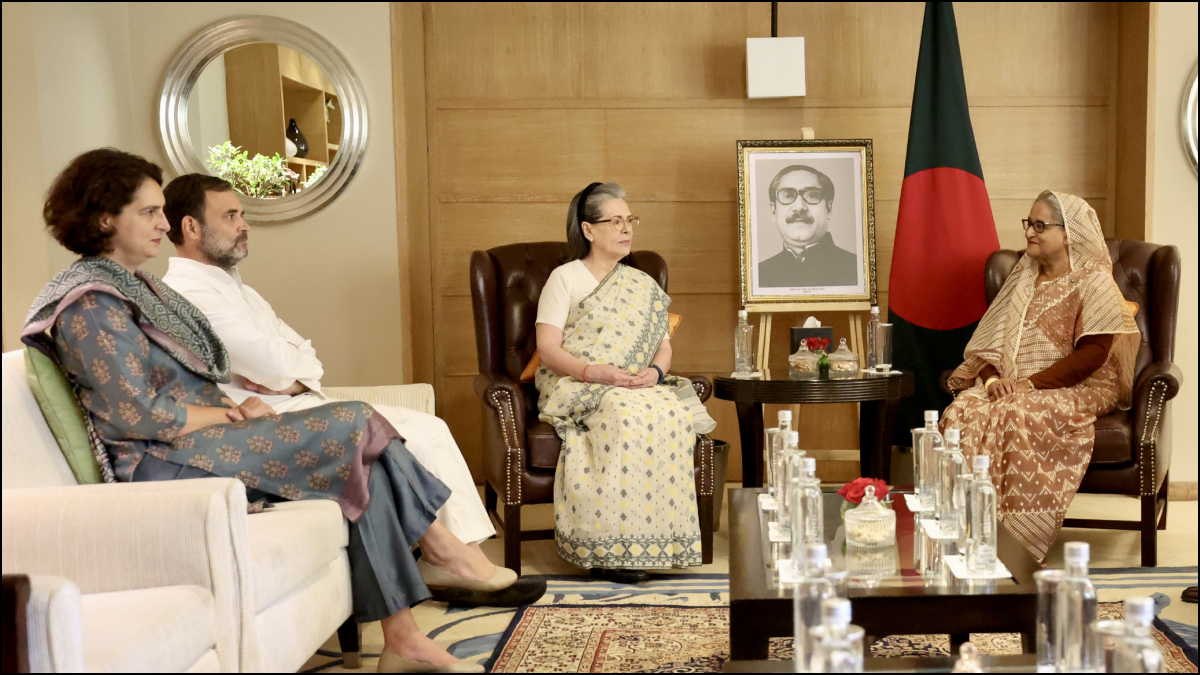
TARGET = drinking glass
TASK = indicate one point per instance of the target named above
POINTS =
(1047, 582)
(1108, 634)
(883, 348)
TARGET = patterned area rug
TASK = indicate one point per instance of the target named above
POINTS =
(639, 638)
(490, 635)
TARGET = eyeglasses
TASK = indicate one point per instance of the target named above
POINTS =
(618, 222)
(1038, 226)
(811, 196)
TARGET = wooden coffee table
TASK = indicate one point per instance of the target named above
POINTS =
(902, 603)
(879, 396)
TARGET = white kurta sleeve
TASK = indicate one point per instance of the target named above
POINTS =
(555, 303)
(275, 362)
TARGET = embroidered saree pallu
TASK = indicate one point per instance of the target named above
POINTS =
(624, 491)
(1040, 442)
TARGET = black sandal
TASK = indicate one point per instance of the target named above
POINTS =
(1189, 595)
(620, 576)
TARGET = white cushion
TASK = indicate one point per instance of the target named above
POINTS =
(290, 542)
(32, 457)
(164, 629)
(55, 634)
(296, 626)
(209, 663)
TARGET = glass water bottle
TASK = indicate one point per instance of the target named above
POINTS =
(949, 502)
(807, 595)
(1137, 651)
(1076, 612)
(932, 445)
(837, 644)
(743, 345)
(872, 336)
(807, 515)
(787, 471)
(773, 448)
(979, 535)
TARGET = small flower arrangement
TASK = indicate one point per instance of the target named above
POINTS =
(853, 492)
(816, 344)
(855, 489)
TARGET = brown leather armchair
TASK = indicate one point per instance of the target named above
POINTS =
(1132, 455)
(520, 451)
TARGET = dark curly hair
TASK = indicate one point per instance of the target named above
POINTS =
(93, 184)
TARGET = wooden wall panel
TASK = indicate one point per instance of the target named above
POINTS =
(528, 102)
(669, 50)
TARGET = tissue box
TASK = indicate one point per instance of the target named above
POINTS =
(799, 334)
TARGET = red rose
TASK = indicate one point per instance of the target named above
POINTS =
(854, 490)
(816, 344)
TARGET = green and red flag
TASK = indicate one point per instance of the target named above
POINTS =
(945, 231)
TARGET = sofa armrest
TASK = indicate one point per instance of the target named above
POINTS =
(1158, 384)
(123, 536)
(700, 383)
(417, 397)
(504, 453)
(53, 619)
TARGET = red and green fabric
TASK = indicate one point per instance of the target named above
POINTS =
(945, 230)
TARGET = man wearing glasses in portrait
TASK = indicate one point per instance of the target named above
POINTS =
(801, 201)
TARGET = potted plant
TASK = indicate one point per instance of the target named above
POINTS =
(817, 346)
(259, 176)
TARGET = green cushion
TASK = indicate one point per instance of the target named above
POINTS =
(56, 398)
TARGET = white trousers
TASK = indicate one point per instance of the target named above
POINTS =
(429, 440)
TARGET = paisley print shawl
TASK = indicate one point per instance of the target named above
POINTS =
(164, 316)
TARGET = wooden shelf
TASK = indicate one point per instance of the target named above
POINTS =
(333, 147)
(304, 161)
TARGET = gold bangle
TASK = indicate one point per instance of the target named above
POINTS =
(988, 383)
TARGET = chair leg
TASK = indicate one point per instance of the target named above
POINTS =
(1164, 497)
(489, 497)
(512, 537)
(707, 521)
(351, 643)
(1149, 530)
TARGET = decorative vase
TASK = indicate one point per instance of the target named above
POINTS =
(823, 365)
(293, 134)
(289, 148)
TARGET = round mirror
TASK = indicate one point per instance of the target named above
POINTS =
(270, 106)
(1189, 119)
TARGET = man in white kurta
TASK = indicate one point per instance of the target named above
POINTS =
(273, 362)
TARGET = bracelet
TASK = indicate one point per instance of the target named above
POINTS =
(988, 384)
(661, 375)
(583, 375)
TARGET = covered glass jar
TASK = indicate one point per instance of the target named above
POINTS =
(804, 364)
(843, 363)
(871, 524)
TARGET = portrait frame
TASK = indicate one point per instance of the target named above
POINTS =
(848, 164)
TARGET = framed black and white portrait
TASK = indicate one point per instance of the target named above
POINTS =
(807, 216)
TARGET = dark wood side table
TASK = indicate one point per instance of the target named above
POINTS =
(879, 397)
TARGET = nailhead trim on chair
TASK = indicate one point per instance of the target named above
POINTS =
(505, 411)
(706, 451)
(1158, 392)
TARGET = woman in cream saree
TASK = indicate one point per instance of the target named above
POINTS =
(624, 490)
(1029, 393)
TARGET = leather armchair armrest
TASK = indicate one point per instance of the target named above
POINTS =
(1158, 384)
(504, 455)
(700, 383)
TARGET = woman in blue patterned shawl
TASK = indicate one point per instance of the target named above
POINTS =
(146, 364)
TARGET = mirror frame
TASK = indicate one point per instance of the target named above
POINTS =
(225, 35)
(1187, 118)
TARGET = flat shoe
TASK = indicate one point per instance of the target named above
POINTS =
(620, 576)
(390, 662)
(436, 577)
(1189, 595)
(524, 592)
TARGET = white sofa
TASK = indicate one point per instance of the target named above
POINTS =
(170, 576)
